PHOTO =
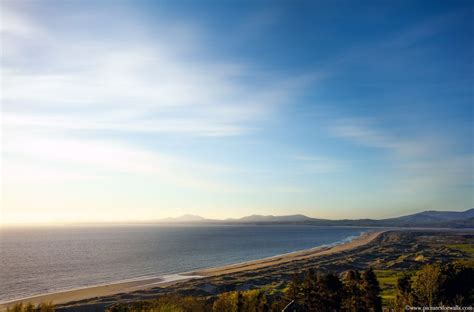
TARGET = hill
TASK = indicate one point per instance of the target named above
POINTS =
(270, 218)
(432, 216)
(453, 219)
(184, 219)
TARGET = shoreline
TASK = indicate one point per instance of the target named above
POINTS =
(358, 241)
(89, 292)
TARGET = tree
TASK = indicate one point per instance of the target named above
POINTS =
(240, 302)
(456, 285)
(308, 290)
(317, 292)
(293, 292)
(426, 284)
(330, 291)
(353, 297)
(225, 302)
(371, 288)
(261, 302)
(403, 294)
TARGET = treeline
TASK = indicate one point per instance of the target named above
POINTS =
(234, 301)
(328, 292)
(312, 292)
(436, 285)
(432, 285)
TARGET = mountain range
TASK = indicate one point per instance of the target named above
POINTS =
(431, 218)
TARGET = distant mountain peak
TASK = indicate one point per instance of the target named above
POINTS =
(249, 219)
(184, 218)
(272, 218)
(430, 216)
(424, 218)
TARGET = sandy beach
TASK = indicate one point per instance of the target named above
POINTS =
(131, 286)
(289, 257)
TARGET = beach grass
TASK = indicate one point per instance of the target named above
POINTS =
(29, 307)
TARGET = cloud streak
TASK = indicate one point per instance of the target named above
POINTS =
(72, 103)
(423, 163)
(82, 86)
(148, 82)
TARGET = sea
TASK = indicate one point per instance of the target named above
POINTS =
(41, 260)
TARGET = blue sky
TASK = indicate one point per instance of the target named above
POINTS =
(138, 110)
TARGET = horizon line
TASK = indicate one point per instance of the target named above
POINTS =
(204, 219)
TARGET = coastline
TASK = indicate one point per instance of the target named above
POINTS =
(361, 240)
(85, 293)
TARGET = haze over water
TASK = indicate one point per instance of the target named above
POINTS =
(42, 260)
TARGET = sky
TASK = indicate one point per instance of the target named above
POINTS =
(139, 110)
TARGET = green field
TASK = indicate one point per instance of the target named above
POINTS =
(467, 248)
(388, 283)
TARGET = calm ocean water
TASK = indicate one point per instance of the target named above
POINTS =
(42, 260)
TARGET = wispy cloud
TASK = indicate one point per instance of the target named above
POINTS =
(148, 84)
(392, 50)
(312, 164)
(16, 25)
(258, 23)
(60, 158)
(423, 30)
(77, 86)
(423, 163)
(361, 132)
(71, 102)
